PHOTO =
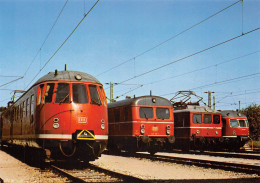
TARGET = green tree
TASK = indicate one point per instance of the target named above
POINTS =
(253, 115)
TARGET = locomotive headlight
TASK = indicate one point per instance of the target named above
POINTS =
(56, 125)
(168, 130)
(234, 132)
(216, 132)
(142, 129)
(197, 131)
(102, 124)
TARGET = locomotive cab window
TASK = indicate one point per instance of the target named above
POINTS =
(234, 123)
(207, 119)
(216, 119)
(162, 113)
(197, 118)
(40, 91)
(146, 112)
(80, 93)
(48, 93)
(63, 93)
(242, 123)
(95, 99)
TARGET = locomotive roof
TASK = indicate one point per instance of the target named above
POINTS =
(231, 113)
(194, 108)
(67, 76)
(142, 100)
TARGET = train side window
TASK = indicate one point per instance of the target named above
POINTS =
(110, 115)
(197, 118)
(18, 112)
(40, 90)
(31, 105)
(103, 95)
(21, 111)
(24, 109)
(224, 122)
(27, 107)
(49, 93)
(207, 119)
(63, 93)
(162, 113)
(117, 115)
(242, 123)
(216, 119)
(80, 93)
(126, 114)
(95, 99)
(233, 123)
(146, 112)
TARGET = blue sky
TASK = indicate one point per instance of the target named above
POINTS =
(118, 31)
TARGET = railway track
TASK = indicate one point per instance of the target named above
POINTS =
(229, 165)
(92, 173)
(242, 155)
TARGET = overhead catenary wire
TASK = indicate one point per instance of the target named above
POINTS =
(167, 40)
(55, 22)
(200, 69)
(85, 15)
(219, 82)
(193, 54)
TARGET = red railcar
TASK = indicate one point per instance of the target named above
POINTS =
(141, 124)
(235, 129)
(196, 127)
(64, 113)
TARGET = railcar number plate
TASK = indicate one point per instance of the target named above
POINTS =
(82, 119)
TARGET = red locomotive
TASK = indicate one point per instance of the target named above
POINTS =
(195, 126)
(141, 124)
(235, 130)
(63, 113)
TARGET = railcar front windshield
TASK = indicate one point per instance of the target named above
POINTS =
(234, 123)
(80, 93)
(95, 99)
(197, 118)
(63, 93)
(243, 123)
(146, 112)
(162, 113)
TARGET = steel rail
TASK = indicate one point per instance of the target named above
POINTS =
(115, 176)
(234, 166)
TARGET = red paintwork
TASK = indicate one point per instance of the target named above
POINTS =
(125, 124)
(153, 127)
(239, 131)
(35, 128)
(196, 135)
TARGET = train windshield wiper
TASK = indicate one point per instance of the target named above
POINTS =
(62, 100)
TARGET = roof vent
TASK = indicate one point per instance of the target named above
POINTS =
(56, 72)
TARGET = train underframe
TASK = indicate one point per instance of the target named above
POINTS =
(141, 143)
(198, 143)
(56, 149)
(234, 143)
